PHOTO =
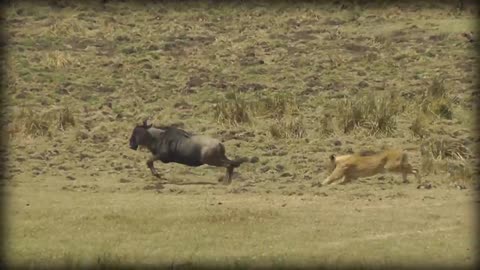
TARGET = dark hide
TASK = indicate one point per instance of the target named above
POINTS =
(175, 145)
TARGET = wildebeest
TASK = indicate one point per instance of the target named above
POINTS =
(171, 144)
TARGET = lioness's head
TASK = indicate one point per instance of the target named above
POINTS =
(332, 164)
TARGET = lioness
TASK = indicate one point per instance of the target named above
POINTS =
(363, 164)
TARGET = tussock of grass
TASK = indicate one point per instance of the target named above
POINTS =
(444, 148)
(461, 170)
(33, 123)
(374, 113)
(327, 125)
(458, 170)
(57, 60)
(292, 128)
(440, 155)
(277, 105)
(238, 108)
(419, 125)
(437, 89)
(436, 101)
(234, 109)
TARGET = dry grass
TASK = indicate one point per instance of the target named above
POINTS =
(224, 230)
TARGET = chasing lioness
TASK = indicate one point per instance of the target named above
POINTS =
(353, 166)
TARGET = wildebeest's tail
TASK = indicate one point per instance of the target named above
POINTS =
(238, 161)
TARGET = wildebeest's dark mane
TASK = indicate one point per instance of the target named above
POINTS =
(173, 126)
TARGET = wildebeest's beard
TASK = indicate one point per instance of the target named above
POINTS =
(137, 137)
(133, 143)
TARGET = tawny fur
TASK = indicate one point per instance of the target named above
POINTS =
(352, 166)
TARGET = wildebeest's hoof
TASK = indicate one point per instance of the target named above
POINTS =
(254, 159)
(157, 175)
(424, 186)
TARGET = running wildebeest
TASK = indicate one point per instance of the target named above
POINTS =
(171, 144)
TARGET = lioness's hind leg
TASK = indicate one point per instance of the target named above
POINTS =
(345, 180)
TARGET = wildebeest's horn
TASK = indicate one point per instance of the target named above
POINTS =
(146, 125)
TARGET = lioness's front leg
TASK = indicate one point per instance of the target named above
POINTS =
(336, 174)
(150, 166)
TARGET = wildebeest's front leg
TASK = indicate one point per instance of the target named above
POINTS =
(150, 166)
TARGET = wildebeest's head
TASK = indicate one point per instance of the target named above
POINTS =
(139, 135)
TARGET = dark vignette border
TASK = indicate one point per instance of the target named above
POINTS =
(103, 5)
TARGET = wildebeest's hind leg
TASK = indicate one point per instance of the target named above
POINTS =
(217, 157)
(228, 175)
(150, 166)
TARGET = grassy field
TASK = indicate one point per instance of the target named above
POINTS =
(289, 83)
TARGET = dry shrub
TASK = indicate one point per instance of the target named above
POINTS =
(33, 123)
(234, 109)
(374, 113)
(292, 128)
